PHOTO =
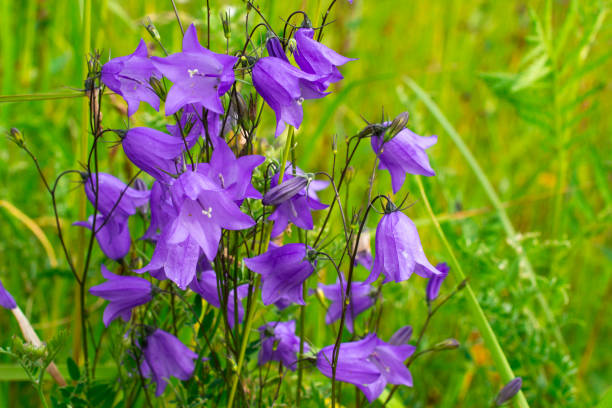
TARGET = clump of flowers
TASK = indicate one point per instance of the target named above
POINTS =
(217, 234)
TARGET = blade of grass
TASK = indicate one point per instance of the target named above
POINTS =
(495, 200)
(488, 336)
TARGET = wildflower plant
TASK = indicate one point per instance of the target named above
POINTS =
(216, 246)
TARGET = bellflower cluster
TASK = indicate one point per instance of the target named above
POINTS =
(210, 216)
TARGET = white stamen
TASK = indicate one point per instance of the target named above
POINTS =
(192, 72)
(208, 213)
(300, 100)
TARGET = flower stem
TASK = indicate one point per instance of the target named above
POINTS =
(490, 340)
(253, 305)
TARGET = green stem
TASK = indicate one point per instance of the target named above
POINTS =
(501, 212)
(251, 311)
(488, 336)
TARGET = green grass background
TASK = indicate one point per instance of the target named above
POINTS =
(445, 47)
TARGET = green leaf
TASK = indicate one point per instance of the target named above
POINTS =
(73, 369)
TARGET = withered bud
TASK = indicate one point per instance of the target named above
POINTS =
(227, 30)
(448, 344)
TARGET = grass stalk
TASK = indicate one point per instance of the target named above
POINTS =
(497, 203)
(488, 336)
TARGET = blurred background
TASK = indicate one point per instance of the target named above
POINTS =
(521, 88)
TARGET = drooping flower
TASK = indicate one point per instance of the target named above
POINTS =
(203, 208)
(403, 154)
(399, 252)
(370, 364)
(297, 208)
(205, 285)
(198, 75)
(279, 343)
(284, 88)
(6, 299)
(115, 198)
(112, 234)
(361, 299)
(283, 271)
(123, 293)
(129, 76)
(434, 283)
(165, 356)
(315, 58)
(154, 152)
(232, 174)
(116, 202)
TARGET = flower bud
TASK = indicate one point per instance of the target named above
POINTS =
(17, 137)
(227, 31)
(398, 124)
(509, 391)
(150, 27)
(284, 191)
(434, 283)
(292, 45)
(448, 344)
(402, 336)
(158, 88)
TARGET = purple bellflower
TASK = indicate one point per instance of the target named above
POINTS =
(297, 207)
(275, 48)
(203, 209)
(6, 299)
(116, 203)
(370, 364)
(283, 271)
(205, 285)
(403, 154)
(124, 293)
(232, 174)
(166, 356)
(364, 252)
(315, 58)
(193, 125)
(154, 152)
(399, 252)
(284, 88)
(434, 283)
(279, 343)
(362, 298)
(198, 75)
(129, 76)
(162, 210)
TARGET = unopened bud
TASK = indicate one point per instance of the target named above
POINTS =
(292, 45)
(227, 31)
(398, 124)
(306, 23)
(350, 173)
(158, 88)
(509, 391)
(284, 191)
(402, 336)
(17, 137)
(448, 344)
(150, 27)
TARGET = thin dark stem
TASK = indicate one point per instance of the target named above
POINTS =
(177, 17)
(331, 5)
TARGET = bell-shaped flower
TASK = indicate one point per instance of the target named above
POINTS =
(283, 271)
(279, 343)
(162, 210)
(284, 88)
(6, 299)
(123, 293)
(403, 154)
(232, 174)
(129, 76)
(399, 252)
(362, 297)
(205, 285)
(275, 48)
(370, 364)
(433, 285)
(198, 75)
(115, 198)
(165, 356)
(296, 207)
(154, 152)
(315, 58)
(203, 209)
(112, 234)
